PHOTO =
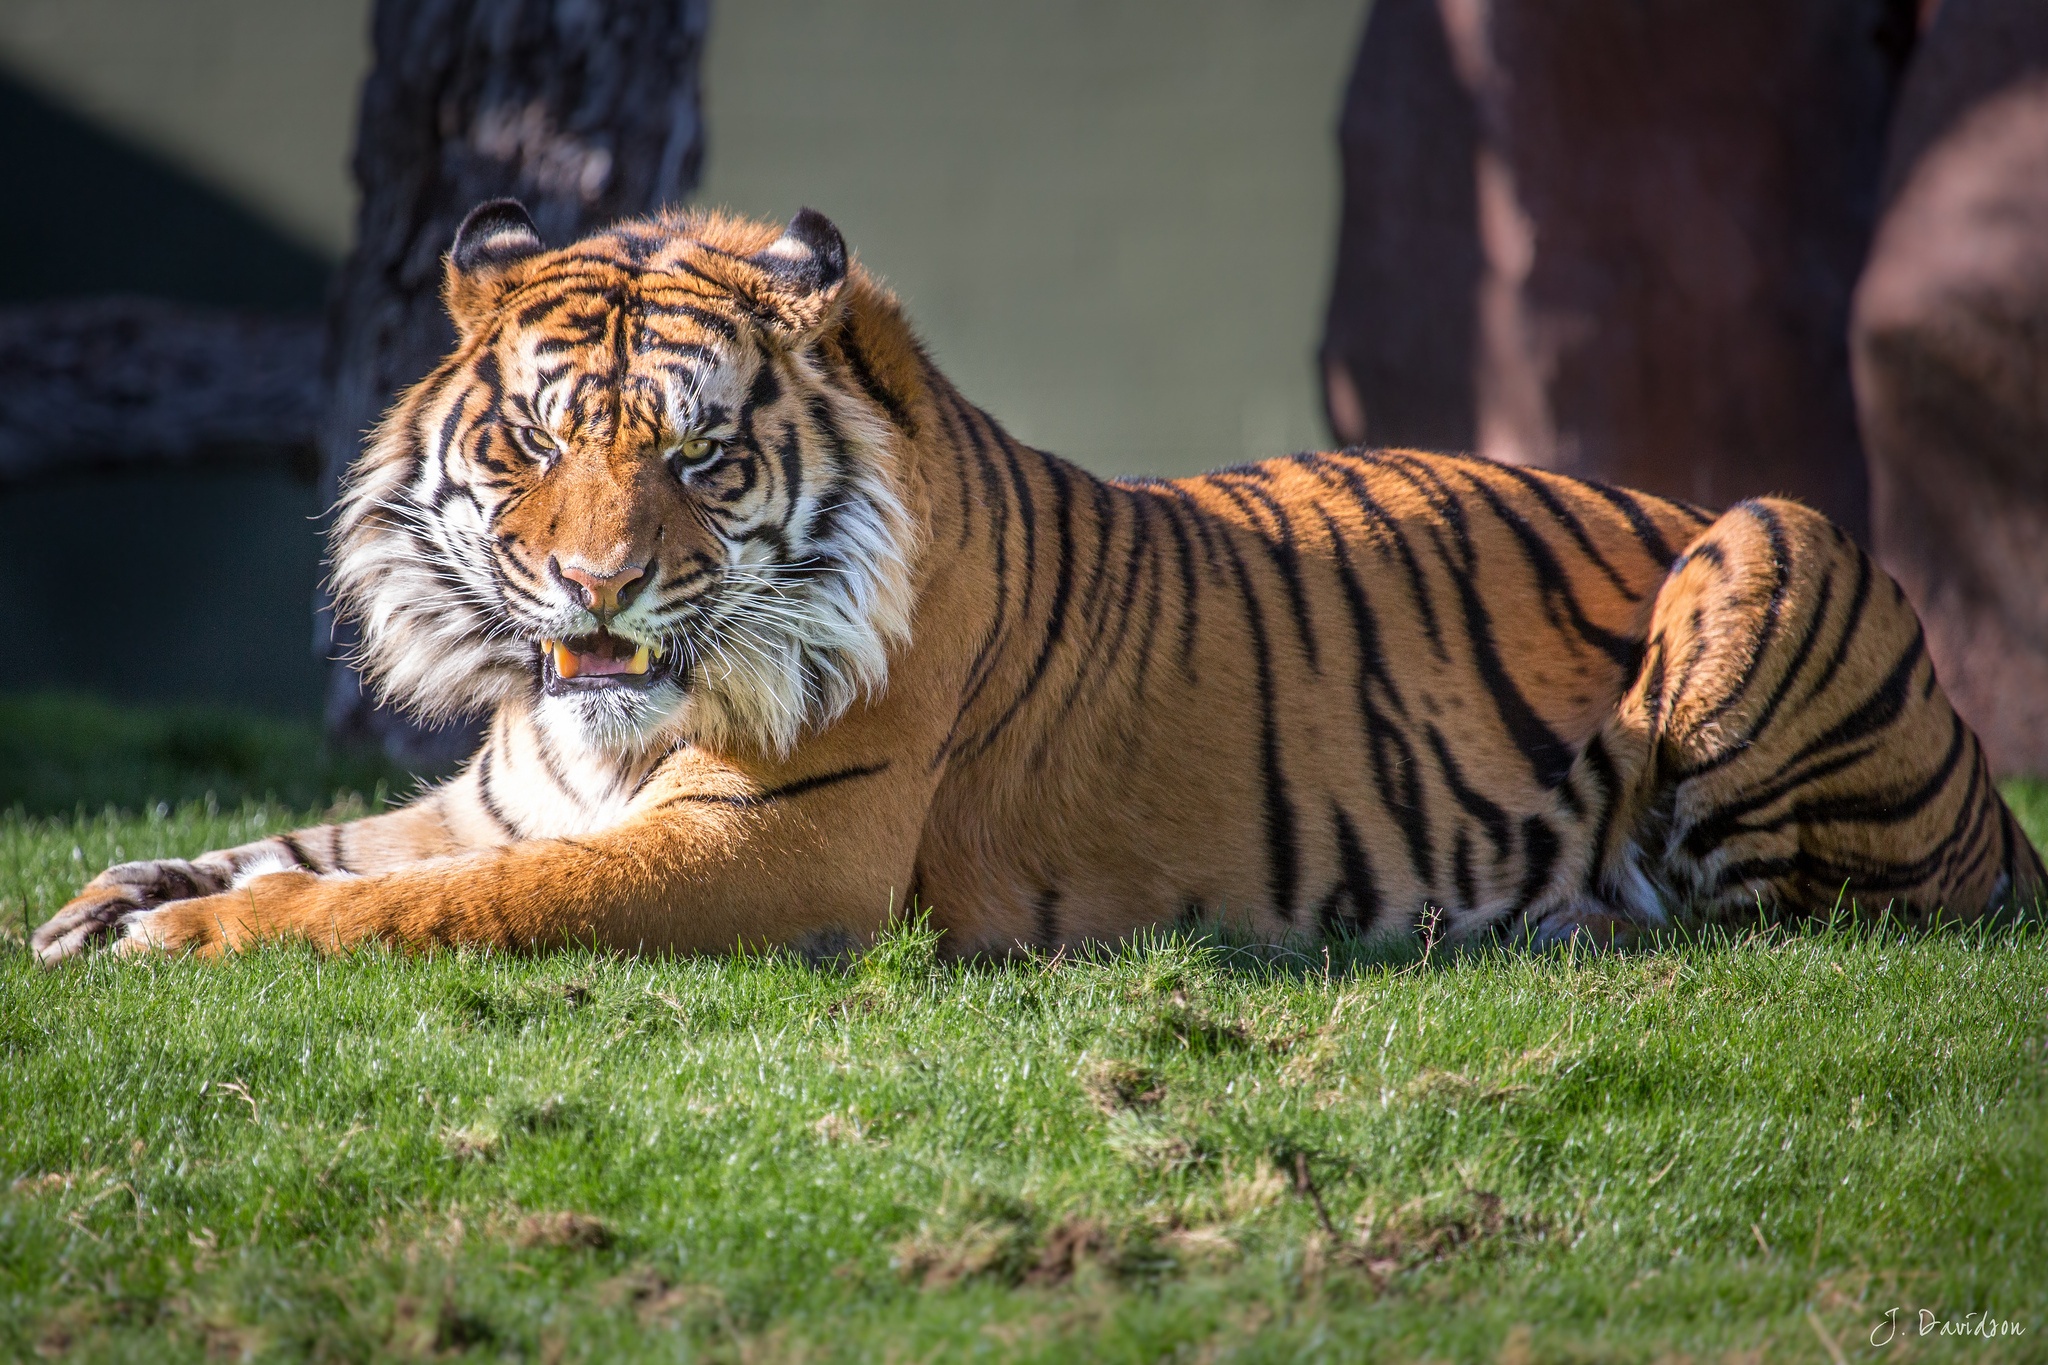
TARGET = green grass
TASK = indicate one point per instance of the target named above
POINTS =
(1181, 1150)
(60, 753)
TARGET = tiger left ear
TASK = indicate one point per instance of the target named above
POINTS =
(494, 236)
(803, 269)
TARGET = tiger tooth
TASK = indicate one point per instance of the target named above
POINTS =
(639, 661)
(565, 659)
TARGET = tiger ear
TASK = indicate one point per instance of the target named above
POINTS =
(495, 236)
(802, 272)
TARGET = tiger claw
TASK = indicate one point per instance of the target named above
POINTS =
(82, 925)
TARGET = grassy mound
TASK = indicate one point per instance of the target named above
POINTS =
(1752, 1148)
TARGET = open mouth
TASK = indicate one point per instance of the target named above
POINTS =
(601, 660)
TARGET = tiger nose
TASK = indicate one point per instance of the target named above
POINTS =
(605, 594)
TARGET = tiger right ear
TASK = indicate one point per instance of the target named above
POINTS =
(495, 236)
(801, 271)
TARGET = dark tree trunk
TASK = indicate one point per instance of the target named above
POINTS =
(1616, 239)
(1398, 341)
(586, 111)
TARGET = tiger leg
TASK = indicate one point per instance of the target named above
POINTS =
(1786, 747)
(121, 895)
(712, 852)
(690, 871)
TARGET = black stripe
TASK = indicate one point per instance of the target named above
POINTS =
(1852, 625)
(1873, 807)
(1825, 875)
(1093, 602)
(1554, 584)
(864, 375)
(1653, 696)
(1354, 868)
(1773, 615)
(956, 415)
(483, 790)
(1539, 488)
(550, 763)
(714, 323)
(1390, 531)
(1539, 857)
(1708, 832)
(1476, 803)
(1597, 761)
(1282, 846)
(1548, 756)
(1877, 711)
(1156, 586)
(784, 792)
(1062, 594)
(1190, 585)
(1046, 917)
(1395, 773)
(1098, 662)
(298, 852)
(1574, 804)
(1764, 718)
(1279, 544)
(1648, 536)
(335, 834)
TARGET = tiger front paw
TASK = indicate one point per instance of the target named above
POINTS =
(194, 926)
(270, 906)
(115, 897)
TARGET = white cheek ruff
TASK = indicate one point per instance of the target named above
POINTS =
(436, 639)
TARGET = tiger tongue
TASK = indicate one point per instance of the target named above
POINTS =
(608, 660)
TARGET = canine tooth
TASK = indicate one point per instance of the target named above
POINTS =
(565, 660)
(639, 662)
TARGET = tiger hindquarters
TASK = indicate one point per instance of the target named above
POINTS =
(1787, 752)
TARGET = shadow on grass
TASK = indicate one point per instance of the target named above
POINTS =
(1210, 947)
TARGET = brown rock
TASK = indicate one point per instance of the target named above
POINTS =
(1951, 364)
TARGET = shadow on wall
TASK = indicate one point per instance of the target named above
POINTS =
(187, 582)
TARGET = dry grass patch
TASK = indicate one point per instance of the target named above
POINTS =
(475, 1142)
(563, 1229)
(1117, 1087)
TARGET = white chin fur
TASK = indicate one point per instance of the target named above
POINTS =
(615, 720)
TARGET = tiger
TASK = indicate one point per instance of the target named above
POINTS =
(779, 639)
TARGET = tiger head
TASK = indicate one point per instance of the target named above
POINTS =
(653, 488)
